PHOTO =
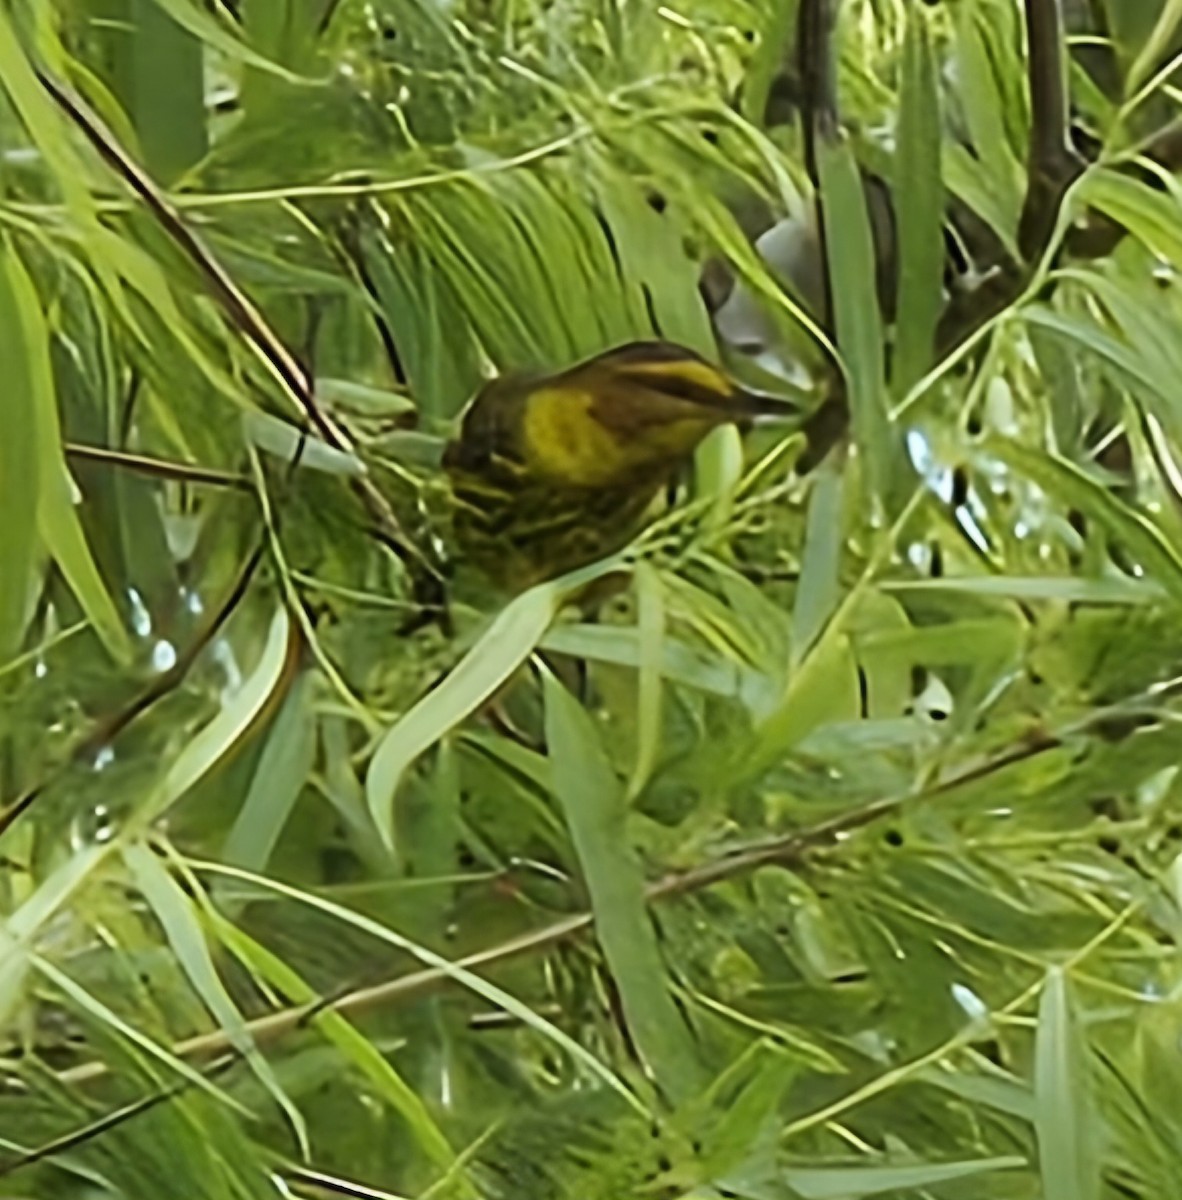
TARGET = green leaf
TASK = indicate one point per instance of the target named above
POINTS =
(650, 637)
(656, 275)
(19, 466)
(89, 1003)
(283, 769)
(213, 742)
(506, 644)
(1065, 588)
(354, 1046)
(1150, 54)
(291, 444)
(680, 662)
(968, 178)
(768, 59)
(175, 912)
(1069, 484)
(822, 689)
(1069, 1137)
(57, 517)
(359, 398)
(46, 901)
(849, 1183)
(1150, 336)
(819, 589)
(1092, 338)
(594, 805)
(458, 972)
(1152, 216)
(157, 74)
(206, 28)
(919, 194)
(985, 105)
(859, 326)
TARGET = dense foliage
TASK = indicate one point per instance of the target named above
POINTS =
(835, 854)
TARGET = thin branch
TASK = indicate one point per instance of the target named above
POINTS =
(159, 468)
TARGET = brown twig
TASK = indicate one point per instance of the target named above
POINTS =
(816, 60)
(816, 64)
(158, 468)
(1051, 162)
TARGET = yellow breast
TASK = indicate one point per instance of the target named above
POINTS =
(568, 441)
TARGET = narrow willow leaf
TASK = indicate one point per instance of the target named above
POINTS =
(822, 689)
(90, 1004)
(1067, 394)
(18, 934)
(718, 467)
(291, 444)
(1003, 1092)
(886, 686)
(1067, 483)
(1150, 334)
(984, 107)
(458, 972)
(657, 275)
(1090, 337)
(354, 1046)
(57, 517)
(1151, 216)
(19, 473)
(43, 123)
(977, 641)
(650, 637)
(819, 590)
(278, 779)
(158, 75)
(211, 744)
(680, 662)
(175, 912)
(506, 644)
(15, 964)
(849, 1183)
(919, 205)
(362, 399)
(850, 253)
(1150, 54)
(768, 59)
(1039, 587)
(1069, 1137)
(126, 267)
(594, 805)
(745, 1119)
(436, 342)
(970, 180)
(206, 28)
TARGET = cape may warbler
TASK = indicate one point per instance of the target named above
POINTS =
(551, 473)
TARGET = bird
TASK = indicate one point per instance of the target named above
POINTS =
(549, 473)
